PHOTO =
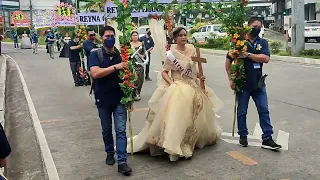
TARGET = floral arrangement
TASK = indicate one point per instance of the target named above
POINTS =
(64, 15)
(127, 75)
(233, 19)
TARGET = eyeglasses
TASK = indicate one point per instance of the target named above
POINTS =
(92, 35)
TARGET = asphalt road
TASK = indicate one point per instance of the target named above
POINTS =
(72, 128)
(311, 44)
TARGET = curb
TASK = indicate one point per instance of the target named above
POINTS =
(2, 95)
(288, 59)
(46, 155)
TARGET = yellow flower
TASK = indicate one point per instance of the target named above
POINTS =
(238, 43)
(242, 43)
(236, 35)
(82, 27)
(245, 48)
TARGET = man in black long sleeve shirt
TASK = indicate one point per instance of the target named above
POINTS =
(5, 148)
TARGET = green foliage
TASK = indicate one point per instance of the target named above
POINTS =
(313, 53)
(275, 46)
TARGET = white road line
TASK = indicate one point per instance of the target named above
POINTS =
(283, 139)
(3, 74)
(257, 131)
(46, 153)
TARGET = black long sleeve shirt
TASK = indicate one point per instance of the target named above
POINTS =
(5, 148)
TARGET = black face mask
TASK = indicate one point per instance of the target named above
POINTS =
(255, 32)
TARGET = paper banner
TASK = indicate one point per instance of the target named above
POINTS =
(19, 19)
(43, 18)
(64, 15)
(91, 18)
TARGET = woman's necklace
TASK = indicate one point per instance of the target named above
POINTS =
(181, 51)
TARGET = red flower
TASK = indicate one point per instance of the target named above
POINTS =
(126, 82)
(131, 85)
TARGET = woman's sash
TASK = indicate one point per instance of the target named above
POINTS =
(185, 71)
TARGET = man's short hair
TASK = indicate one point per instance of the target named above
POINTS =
(147, 29)
(107, 28)
(74, 35)
(90, 29)
(253, 19)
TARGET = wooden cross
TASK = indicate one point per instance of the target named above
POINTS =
(200, 60)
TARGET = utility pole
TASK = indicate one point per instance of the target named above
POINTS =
(298, 38)
(31, 15)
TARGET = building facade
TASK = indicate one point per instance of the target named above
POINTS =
(6, 8)
(281, 8)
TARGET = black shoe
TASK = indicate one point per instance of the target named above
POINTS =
(110, 159)
(148, 79)
(243, 141)
(76, 85)
(124, 169)
(270, 144)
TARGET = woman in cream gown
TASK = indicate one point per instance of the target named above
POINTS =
(181, 115)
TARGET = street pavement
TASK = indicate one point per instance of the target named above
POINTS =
(72, 127)
(311, 44)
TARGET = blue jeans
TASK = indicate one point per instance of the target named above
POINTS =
(261, 100)
(120, 122)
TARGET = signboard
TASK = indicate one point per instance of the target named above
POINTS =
(42, 18)
(286, 23)
(91, 18)
(64, 15)
(19, 19)
(111, 11)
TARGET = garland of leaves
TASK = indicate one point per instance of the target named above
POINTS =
(233, 19)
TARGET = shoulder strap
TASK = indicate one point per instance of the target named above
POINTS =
(100, 55)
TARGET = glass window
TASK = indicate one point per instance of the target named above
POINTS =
(203, 29)
(209, 29)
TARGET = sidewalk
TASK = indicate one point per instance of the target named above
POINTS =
(287, 59)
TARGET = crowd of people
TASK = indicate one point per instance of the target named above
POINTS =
(181, 114)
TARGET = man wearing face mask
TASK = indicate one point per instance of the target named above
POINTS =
(74, 58)
(149, 44)
(89, 44)
(257, 54)
(105, 65)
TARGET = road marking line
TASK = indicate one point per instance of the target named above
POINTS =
(242, 158)
(44, 147)
(51, 121)
(283, 139)
(257, 131)
(233, 141)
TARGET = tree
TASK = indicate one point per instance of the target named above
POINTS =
(95, 5)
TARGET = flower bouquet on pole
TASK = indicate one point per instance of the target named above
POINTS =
(233, 19)
(127, 75)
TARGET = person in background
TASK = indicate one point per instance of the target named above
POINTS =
(58, 40)
(5, 149)
(105, 66)
(149, 44)
(89, 44)
(74, 58)
(50, 42)
(257, 54)
(35, 42)
(15, 39)
(65, 50)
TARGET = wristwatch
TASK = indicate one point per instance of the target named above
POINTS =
(249, 54)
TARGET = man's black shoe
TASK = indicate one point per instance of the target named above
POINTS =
(243, 141)
(148, 79)
(270, 144)
(124, 169)
(110, 159)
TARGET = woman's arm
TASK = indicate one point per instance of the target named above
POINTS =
(166, 77)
